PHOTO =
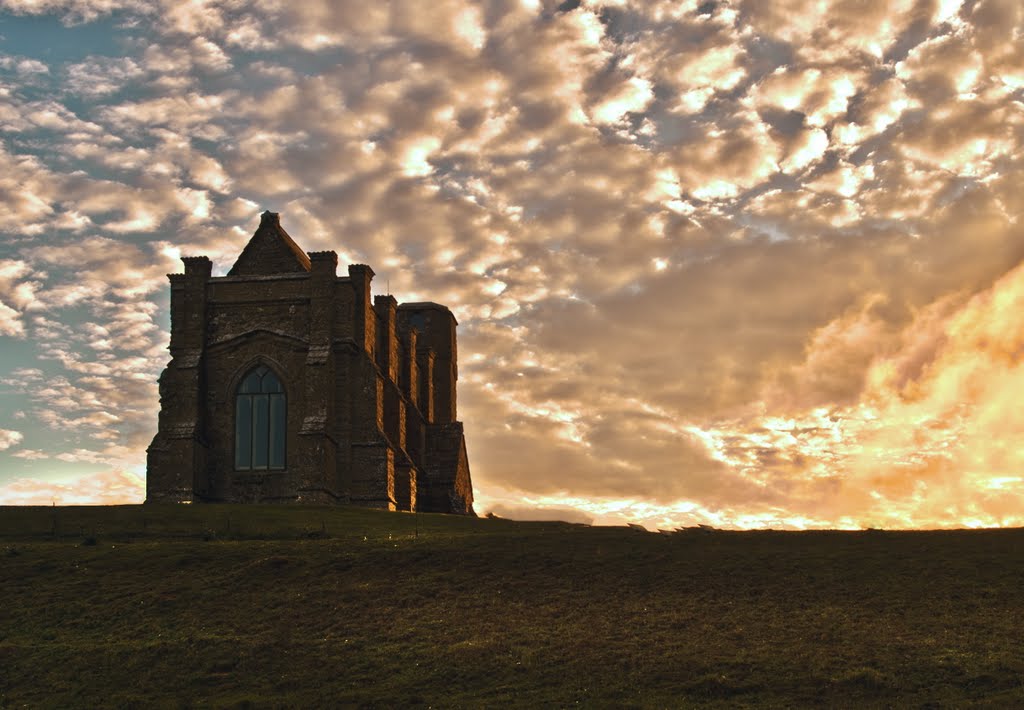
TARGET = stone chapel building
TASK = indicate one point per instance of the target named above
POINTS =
(287, 384)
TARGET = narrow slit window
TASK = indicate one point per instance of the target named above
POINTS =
(261, 415)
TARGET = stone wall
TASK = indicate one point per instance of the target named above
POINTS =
(369, 386)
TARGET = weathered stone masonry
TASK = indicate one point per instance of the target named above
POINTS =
(368, 388)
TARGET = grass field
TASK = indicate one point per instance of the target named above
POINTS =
(260, 606)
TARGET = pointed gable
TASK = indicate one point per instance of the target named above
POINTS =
(270, 251)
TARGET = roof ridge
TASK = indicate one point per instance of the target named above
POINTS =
(273, 220)
(260, 248)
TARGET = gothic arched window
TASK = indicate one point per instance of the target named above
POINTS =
(260, 421)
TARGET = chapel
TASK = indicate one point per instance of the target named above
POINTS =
(289, 383)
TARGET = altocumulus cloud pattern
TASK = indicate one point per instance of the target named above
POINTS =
(735, 263)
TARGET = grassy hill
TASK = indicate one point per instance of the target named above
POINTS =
(261, 606)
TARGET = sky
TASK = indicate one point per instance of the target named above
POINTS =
(741, 264)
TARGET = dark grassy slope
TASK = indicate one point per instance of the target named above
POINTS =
(305, 607)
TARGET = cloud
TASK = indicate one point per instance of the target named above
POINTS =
(17, 294)
(9, 438)
(807, 148)
(693, 247)
(903, 427)
(568, 515)
(28, 190)
(199, 55)
(950, 418)
(631, 95)
(821, 96)
(31, 454)
(113, 487)
(71, 11)
(101, 76)
(24, 67)
(724, 163)
(995, 23)
(826, 30)
(968, 139)
(941, 68)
